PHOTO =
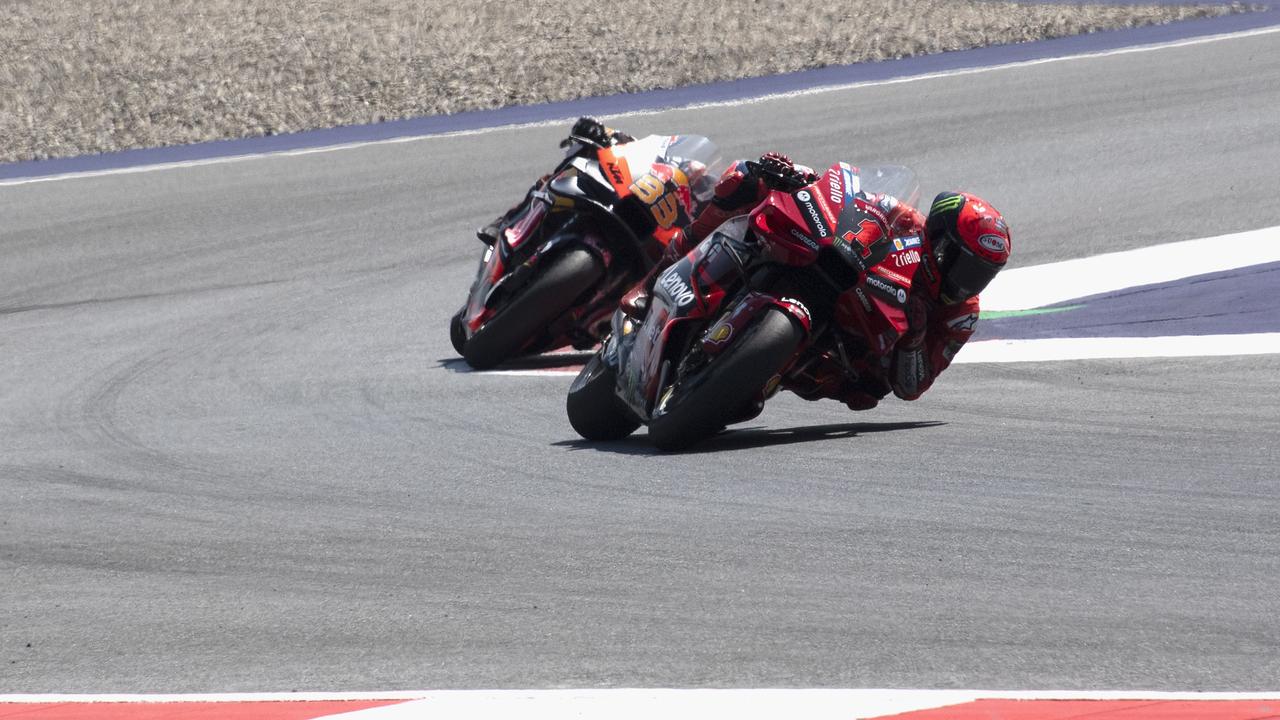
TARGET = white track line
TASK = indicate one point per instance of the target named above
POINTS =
(1041, 285)
(1102, 348)
(722, 103)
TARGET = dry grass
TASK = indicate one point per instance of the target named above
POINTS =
(80, 77)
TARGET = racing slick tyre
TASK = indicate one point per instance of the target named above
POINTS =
(702, 404)
(547, 297)
(457, 334)
(595, 411)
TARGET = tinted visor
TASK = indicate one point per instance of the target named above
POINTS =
(966, 274)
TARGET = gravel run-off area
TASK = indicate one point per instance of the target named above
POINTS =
(78, 78)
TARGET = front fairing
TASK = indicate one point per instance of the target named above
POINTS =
(685, 298)
(487, 275)
(840, 223)
(499, 260)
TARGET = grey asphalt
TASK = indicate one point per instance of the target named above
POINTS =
(234, 458)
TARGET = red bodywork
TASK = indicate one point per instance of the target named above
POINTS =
(832, 214)
(827, 222)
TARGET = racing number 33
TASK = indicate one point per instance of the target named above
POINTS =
(664, 205)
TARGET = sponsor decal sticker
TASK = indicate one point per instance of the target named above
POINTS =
(906, 243)
(812, 215)
(994, 243)
(872, 210)
(796, 304)
(676, 287)
(835, 192)
(891, 275)
(852, 185)
(952, 202)
(862, 298)
(963, 323)
(887, 288)
(804, 239)
(844, 245)
(720, 333)
(771, 387)
(616, 172)
(906, 258)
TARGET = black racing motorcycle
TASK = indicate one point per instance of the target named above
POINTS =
(584, 234)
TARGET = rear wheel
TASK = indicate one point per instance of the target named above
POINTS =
(549, 295)
(595, 411)
(703, 403)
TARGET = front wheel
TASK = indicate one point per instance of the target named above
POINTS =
(457, 332)
(548, 296)
(595, 411)
(701, 404)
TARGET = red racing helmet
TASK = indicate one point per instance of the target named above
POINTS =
(970, 242)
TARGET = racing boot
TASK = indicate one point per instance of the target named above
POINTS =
(491, 233)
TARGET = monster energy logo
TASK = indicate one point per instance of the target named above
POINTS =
(947, 203)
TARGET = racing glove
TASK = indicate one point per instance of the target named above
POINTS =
(778, 172)
(917, 322)
(593, 131)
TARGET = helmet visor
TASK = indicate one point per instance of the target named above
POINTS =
(966, 274)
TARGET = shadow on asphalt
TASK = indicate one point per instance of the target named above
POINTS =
(750, 437)
(550, 361)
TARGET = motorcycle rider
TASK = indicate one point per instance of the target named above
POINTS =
(587, 130)
(963, 243)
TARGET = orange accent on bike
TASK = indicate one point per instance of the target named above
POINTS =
(615, 168)
(665, 235)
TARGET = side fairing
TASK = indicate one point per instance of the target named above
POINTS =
(685, 298)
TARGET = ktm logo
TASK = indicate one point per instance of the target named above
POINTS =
(616, 173)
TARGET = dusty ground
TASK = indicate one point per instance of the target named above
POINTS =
(81, 77)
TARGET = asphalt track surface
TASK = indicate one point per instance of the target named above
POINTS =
(236, 455)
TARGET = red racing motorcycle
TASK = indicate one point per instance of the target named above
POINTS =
(810, 275)
(586, 233)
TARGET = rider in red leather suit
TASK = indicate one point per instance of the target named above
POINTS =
(964, 242)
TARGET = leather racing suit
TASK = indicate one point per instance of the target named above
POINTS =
(936, 330)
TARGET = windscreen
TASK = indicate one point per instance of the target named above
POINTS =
(695, 155)
(895, 180)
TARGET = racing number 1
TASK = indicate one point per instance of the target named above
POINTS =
(664, 205)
